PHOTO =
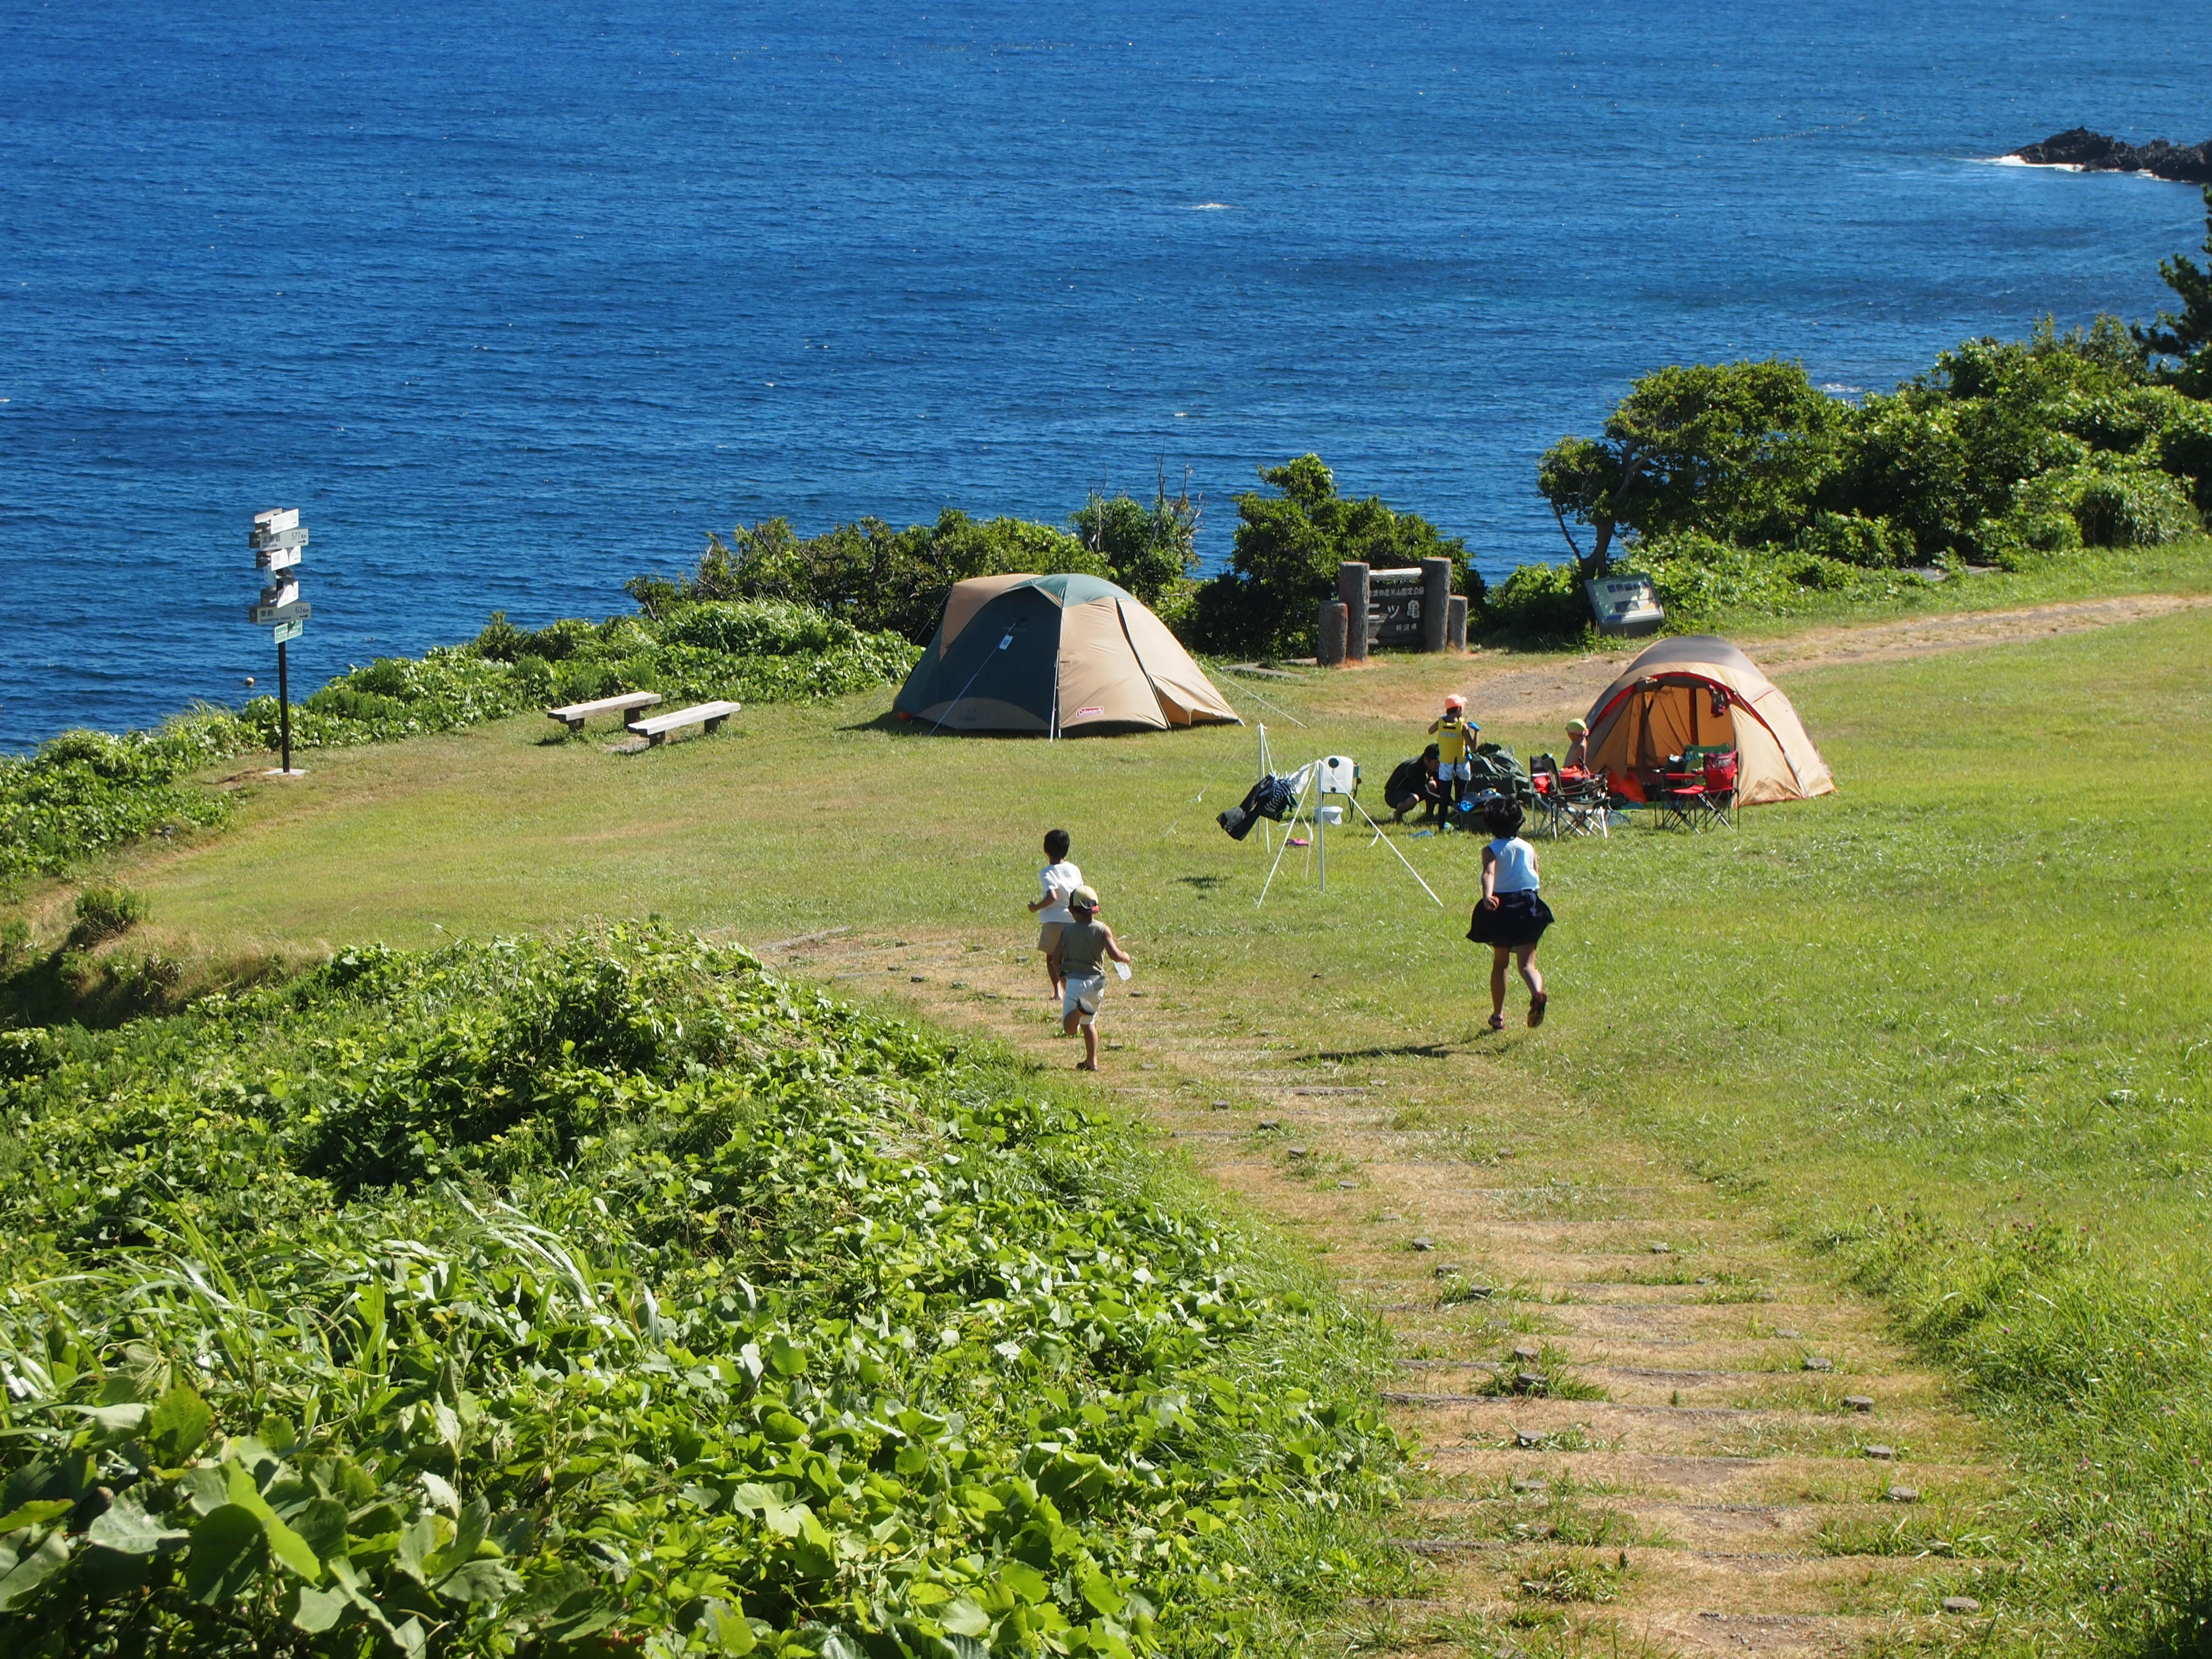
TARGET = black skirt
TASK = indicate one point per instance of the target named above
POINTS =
(1520, 919)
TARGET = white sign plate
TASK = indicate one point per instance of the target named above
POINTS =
(1624, 604)
(263, 615)
(277, 518)
(276, 558)
(295, 537)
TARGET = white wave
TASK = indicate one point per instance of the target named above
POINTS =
(1208, 207)
(2020, 161)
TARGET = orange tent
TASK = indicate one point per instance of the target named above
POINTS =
(1700, 692)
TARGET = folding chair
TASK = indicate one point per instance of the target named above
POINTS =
(1576, 806)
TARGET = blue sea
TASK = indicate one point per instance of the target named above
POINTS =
(515, 302)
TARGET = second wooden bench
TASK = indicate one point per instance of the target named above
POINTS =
(628, 704)
(708, 716)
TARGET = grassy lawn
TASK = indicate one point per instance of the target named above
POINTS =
(1950, 1025)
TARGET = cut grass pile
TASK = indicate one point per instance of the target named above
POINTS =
(605, 1295)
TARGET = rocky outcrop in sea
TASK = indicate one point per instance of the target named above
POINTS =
(2093, 152)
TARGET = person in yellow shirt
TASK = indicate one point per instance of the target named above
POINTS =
(1456, 735)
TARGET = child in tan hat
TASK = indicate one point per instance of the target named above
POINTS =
(1086, 947)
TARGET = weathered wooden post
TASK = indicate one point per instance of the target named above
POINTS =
(1455, 623)
(277, 537)
(1436, 603)
(1351, 590)
(1330, 634)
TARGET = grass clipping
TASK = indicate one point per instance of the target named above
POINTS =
(607, 1296)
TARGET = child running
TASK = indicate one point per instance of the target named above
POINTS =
(1512, 916)
(1059, 879)
(1085, 948)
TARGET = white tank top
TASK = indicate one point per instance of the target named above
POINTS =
(1516, 867)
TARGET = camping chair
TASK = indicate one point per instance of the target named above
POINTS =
(1720, 786)
(1575, 806)
(1680, 800)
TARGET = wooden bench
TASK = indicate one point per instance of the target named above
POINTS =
(628, 705)
(708, 716)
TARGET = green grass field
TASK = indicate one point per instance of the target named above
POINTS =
(1948, 1026)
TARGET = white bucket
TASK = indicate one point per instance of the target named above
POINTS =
(1332, 814)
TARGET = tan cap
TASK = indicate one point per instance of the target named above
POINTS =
(1083, 898)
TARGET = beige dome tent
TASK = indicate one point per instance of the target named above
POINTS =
(1695, 691)
(1047, 655)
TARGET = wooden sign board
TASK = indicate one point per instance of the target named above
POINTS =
(1393, 607)
(1624, 604)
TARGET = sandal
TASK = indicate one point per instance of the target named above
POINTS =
(1086, 1066)
(1536, 1008)
(1498, 1022)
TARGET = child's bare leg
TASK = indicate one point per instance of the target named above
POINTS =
(1526, 956)
(1089, 1046)
(1499, 953)
(1054, 977)
(1067, 1025)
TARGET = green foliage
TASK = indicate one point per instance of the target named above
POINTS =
(2006, 454)
(1733, 450)
(867, 574)
(104, 912)
(557, 1295)
(85, 792)
(1152, 551)
(2184, 336)
(1287, 550)
(1540, 604)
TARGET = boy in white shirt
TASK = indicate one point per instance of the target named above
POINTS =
(1058, 878)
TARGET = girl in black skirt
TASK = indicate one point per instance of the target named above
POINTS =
(1512, 916)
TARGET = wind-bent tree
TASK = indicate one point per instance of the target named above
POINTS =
(1735, 450)
(2184, 336)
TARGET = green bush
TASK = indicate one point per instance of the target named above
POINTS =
(605, 1296)
(1538, 603)
(1288, 548)
(2117, 502)
(104, 913)
(1853, 538)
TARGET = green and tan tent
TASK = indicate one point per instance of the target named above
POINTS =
(1049, 654)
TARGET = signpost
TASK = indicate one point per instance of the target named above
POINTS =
(277, 539)
(1624, 604)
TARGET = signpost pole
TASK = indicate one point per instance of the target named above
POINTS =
(285, 703)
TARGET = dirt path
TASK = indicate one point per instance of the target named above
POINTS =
(1641, 1419)
(1513, 690)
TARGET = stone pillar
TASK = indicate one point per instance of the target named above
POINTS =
(1436, 602)
(1455, 623)
(1329, 631)
(1351, 591)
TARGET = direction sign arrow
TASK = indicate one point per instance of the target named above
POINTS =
(276, 558)
(277, 519)
(295, 536)
(286, 631)
(295, 610)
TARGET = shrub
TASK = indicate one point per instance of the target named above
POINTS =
(1288, 548)
(2117, 502)
(105, 912)
(605, 1296)
(1540, 604)
(1853, 538)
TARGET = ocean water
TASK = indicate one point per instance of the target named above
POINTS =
(515, 302)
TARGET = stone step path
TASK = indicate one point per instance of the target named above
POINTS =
(1644, 1424)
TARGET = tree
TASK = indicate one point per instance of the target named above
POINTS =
(1733, 450)
(1287, 550)
(2185, 335)
(1152, 551)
